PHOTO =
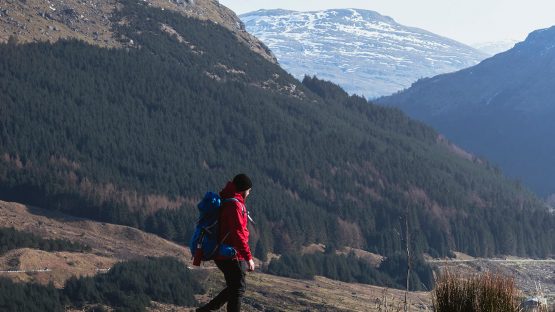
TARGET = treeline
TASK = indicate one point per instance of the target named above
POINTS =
(349, 268)
(28, 297)
(11, 238)
(127, 287)
(121, 135)
(131, 286)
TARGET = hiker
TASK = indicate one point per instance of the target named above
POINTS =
(233, 230)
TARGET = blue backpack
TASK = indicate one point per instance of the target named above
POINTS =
(205, 244)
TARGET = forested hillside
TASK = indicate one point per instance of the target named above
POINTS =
(136, 136)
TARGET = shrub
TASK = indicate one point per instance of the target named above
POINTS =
(478, 293)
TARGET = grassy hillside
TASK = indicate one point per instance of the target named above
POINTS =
(136, 136)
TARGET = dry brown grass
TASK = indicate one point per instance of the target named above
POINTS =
(486, 292)
(528, 273)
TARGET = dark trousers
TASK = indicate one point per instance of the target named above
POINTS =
(234, 274)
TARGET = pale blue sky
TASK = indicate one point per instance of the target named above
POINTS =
(468, 21)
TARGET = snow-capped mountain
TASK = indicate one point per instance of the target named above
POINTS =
(364, 52)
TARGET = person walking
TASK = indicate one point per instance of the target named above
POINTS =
(233, 231)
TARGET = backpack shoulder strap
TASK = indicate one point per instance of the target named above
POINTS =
(243, 208)
(237, 201)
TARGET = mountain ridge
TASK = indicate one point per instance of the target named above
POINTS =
(52, 20)
(499, 108)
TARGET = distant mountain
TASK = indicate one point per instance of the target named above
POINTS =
(366, 53)
(503, 109)
(493, 47)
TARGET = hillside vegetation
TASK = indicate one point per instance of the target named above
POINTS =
(136, 136)
(127, 287)
(11, 239)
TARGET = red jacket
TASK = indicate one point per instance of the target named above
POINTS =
(233, 220)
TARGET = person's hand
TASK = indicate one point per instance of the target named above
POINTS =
(251, 265)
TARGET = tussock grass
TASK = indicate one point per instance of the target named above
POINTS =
(486, 292)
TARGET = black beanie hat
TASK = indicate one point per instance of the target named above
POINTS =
(242, 182)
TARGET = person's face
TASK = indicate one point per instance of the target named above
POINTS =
(246, 193)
